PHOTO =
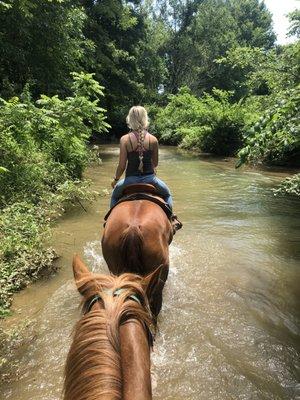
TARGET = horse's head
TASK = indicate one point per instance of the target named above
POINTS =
(93, 367)
(110, 289)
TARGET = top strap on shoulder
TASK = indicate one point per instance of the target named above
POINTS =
(130, 141)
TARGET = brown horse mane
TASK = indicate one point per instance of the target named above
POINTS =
(93, 367)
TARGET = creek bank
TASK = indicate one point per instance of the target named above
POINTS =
(37, 260)
(24, 231)
(44, 152)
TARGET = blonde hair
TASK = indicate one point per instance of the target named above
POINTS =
(137, 118)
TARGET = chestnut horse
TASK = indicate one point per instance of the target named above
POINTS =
(136, 239)
(109, 358)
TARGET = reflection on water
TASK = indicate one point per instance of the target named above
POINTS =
(229, 328)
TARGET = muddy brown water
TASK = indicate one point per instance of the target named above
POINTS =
(229, 328)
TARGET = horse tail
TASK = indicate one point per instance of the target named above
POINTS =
(131, 250)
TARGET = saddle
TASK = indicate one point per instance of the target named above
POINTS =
(142, 191)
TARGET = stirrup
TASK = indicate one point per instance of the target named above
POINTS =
(176, 223)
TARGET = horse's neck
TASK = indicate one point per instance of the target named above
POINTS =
(93, 368)
(127, 375)
(135, 361)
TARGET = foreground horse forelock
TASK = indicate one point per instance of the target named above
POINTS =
(113, 332)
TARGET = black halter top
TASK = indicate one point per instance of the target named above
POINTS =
(134, 161)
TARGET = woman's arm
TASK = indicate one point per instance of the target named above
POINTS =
(155, 154)
(122, 161)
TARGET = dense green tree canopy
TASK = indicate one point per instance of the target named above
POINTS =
(200, 31)
(41, 43)
(117, 30)
(143, 50)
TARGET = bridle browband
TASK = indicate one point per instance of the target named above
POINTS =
(115, 293)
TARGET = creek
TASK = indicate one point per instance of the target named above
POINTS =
(229, 328)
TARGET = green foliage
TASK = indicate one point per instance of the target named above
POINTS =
(151, 64)
(117, 28)
(256, 71)
(40, 42)
(275, 137)
(294, 18)
(290, 186)
(181, 111)
(176, 46)
(43, 153)
(210, 124)
(211, 40)
(254, 23)
(133, 47)
(43, 144)
(24, 230)
(196, 38)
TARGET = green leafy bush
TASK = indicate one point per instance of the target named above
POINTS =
(44, 144)
(42, 156)
(23, 229)
(193, 137)
(275, 138)
(181, 112)
(289, 186)
(257, 71)
(210, 123)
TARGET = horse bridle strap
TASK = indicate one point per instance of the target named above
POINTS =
(92, 301)
(133, 296)
(115, 293)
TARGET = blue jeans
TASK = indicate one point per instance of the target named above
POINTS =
(161, 187)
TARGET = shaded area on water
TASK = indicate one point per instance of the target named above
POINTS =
(229, 328)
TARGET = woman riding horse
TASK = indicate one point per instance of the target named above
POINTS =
(139, 156)
(138, 232)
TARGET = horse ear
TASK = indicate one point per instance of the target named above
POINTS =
(80, 270)
(151, 280)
